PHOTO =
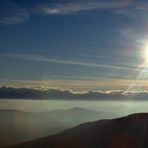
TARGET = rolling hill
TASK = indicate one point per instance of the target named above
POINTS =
(19, 126)
(126, 132)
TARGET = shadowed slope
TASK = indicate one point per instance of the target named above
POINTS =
(20, 126)
(126, 132)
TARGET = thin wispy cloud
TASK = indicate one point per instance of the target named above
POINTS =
(67, 61)
(11, 13)
(77, 6)
(138, 10)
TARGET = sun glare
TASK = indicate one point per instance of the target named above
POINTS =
(146, 53)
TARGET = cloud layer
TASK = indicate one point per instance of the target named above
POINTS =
(63, 94)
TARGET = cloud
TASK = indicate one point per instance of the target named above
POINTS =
(77, 6)
(15, 12)
(136, 11)
(11, 13)
(61, 94)
(67, 61)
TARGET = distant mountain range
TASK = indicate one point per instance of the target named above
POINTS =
(19, 126)
(126, 132)
(60, 94)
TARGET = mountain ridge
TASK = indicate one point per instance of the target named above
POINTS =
(125, 132)
(17, 126)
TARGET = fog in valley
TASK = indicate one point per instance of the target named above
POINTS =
(23, 120)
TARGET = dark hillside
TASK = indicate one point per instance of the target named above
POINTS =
(126, 132)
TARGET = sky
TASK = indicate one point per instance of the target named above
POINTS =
(74, 44)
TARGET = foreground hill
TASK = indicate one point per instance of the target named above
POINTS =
(19, 126)
(126, 132)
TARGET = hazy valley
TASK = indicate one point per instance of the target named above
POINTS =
(18, 126)
(125, 132)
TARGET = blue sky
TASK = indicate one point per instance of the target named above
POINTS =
(81, 44)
